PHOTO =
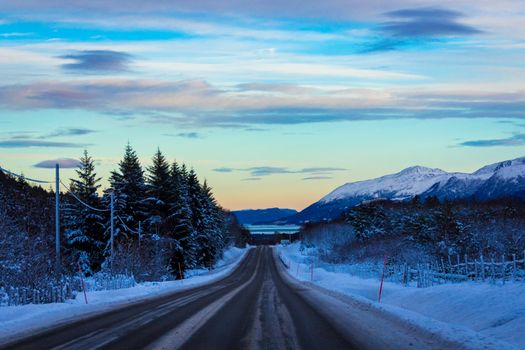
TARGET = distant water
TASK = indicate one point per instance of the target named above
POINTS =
(271, 229)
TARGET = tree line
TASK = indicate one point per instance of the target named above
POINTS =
(166, 222)
(422, 230)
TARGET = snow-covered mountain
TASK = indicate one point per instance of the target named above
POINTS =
(502, 179)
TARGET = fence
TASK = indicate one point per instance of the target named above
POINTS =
(464, 269)
(10, 296)
(454, 270)
(102, 281)
(20, 296)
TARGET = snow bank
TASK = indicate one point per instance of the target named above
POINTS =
(496, 311)
(15, 321)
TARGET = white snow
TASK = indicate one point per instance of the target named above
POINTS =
(16, 321)
(494, 311)
(511, 172)
(406, 183)
(416, 180)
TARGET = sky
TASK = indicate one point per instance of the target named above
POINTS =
(275, 103)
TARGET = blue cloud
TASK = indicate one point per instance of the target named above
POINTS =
(267, 170)
(317, 178)
(426, 22)
(38, 143)
(189, 135)
(223, 170)
(256, 172)
(515, 140)
(70, 132)
(97, 61)
(64, 163)
(251, 179)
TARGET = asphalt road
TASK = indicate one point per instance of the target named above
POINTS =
(253, 308)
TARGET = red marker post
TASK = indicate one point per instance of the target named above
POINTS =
(180, 273)
(382, 279)
(82, 280)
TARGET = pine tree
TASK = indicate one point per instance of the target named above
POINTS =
(84, 226)
(180, 221)
(196, 204)
(129, 189)
(159, 189)
(211, 237)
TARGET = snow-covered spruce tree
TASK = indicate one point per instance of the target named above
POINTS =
(159, 190)
(129, 189)
(128, 185)
(84, 227)
(198, 219)
(210, 237)
(181, 230)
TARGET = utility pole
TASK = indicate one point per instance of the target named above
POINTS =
(140, 226)
(57, 219)
(112, 225)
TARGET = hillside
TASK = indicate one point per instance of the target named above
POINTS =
(260, 216)
(498, 180)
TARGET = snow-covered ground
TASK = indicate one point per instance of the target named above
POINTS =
(18, 320)
(496, 311)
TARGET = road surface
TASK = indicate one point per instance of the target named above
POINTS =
(253, 308)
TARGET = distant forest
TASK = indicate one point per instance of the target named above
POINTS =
(421, 231)
(165, 222)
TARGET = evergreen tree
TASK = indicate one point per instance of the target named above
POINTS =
(180, 221)
(210, 239)
(84, 226)
(159, 189)
(129, 189)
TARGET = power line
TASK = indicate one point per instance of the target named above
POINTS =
(23, 177)
(81, 201)
(126, 226)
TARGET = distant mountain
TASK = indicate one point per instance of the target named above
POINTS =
(497, 180)
(261, 216)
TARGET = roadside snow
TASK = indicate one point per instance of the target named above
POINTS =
(15, 321)
(496, 311)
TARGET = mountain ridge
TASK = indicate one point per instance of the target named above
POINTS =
(261, 216)
(501, 179)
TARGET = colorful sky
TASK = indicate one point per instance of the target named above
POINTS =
(275, 103)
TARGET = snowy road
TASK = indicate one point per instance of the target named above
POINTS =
(256, 307)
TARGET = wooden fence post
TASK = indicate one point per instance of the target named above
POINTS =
(503, 267)
(492, 270)
(482, 267)
(514, 267)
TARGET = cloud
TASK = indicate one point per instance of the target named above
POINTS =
(260, 171)
(515, 140)
(267, 170)
(252, 179)
(317, 178)
(70, 132)
(321, 170)
(196, 103)
(38, 143)
(223, 170)
(64, 163)
(15, 34)
(97, 61)
(189, 135)
(426, 22)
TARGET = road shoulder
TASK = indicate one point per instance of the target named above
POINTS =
(378, 326)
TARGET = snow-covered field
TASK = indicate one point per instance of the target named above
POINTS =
(18, 320)
(496, 311)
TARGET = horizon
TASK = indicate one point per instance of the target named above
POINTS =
(273, 110)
